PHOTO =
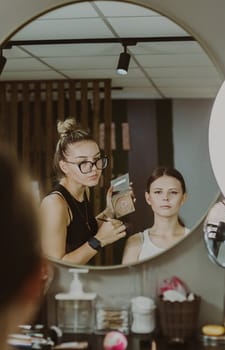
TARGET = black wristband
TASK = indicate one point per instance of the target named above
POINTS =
(94, 243)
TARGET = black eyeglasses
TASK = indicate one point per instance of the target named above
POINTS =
(86, 166)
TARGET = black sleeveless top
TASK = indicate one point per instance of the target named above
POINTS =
(83, 224)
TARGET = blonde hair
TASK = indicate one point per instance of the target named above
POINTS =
(69, 132)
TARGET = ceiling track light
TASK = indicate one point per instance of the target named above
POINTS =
(123, 63)
(123, 41)
(2, 61)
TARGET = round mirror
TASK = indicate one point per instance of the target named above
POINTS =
(165, 99)
(214, 232)
(216, 137)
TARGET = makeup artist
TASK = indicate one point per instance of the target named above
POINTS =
(69, 229)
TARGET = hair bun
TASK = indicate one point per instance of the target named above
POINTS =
(67, 126)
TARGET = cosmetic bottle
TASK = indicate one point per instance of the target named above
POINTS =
(75, 308)
(143, 315)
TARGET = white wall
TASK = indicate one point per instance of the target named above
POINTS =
(191, 157)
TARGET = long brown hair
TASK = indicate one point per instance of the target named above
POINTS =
(168, 171)
(161, 171)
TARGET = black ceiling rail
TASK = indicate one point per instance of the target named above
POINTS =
(123, 41)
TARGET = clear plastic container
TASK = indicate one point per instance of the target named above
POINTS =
(75, 316)
(75, 309)
(108, 318)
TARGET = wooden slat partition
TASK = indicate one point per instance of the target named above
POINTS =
(29, 111)
(14, 116)
(84, 104)
(61, 101)
(50, 134)
(36, 123)
(72, 99)
(3, 113)
(26, 125)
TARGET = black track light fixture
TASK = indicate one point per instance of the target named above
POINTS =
(123, 63)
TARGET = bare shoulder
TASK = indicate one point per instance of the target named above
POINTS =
(54, 211)
(132, 249)
(134, 239)
(53, 201)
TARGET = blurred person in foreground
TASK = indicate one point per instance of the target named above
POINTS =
(22, 268)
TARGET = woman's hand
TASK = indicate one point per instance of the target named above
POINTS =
(110, 231)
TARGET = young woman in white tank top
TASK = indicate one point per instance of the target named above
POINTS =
(165, 194)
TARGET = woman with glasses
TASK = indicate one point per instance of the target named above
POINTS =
(165, 194)
(69, 229)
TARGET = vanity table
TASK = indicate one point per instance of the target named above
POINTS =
(142, 342)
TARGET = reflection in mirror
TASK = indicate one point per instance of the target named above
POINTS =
(214, 233)
(165, 193)
(164, 100)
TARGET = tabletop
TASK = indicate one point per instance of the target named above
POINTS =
(144, 342)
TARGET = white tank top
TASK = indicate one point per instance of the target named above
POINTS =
(149, 249)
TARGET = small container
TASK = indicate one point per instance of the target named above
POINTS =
(112, 318)
(143, 315)
(75, 308)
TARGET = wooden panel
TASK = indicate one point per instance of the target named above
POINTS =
(60, 101)
(37, 133)
(33, 125)
(72, 99)
(3, 114)
(26, 125)
(49, 135)
(84, 104)
(96, 109)
(14, 115)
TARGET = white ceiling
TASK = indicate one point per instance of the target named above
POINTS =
(157, 69)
